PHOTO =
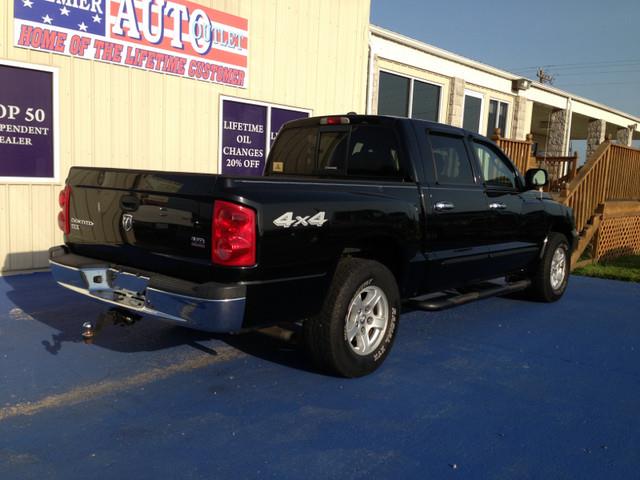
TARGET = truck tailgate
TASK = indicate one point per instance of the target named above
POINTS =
(149, 220)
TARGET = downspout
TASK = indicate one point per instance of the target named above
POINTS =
(370, 73)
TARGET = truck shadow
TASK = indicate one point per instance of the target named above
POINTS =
(35, 297)
(255, 344)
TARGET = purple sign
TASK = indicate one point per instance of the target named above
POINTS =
(243, 138)
(26, 123)
(244, 134)
(280, 116)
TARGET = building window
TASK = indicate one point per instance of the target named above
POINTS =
(497, 117)
(407, 97)
(393, 95)
(472, 111)
(426, 101)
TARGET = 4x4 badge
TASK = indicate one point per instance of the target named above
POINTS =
(286, 220)
(127, 222)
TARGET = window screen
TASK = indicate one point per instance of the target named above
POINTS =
(450, 159)
(393, 95)
(373, 152)
(495, 171)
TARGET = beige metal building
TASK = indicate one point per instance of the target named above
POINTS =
(306, 56)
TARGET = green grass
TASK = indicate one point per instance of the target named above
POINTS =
(625, 268)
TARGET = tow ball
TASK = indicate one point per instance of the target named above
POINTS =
(117, 316)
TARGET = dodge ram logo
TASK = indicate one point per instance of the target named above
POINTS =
(127, 222)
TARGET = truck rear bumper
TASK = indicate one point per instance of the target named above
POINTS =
(212, 307)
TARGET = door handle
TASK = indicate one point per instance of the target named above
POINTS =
(497, 206)
(442, 206)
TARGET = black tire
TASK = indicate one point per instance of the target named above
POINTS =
(542, 287)
(325, 335)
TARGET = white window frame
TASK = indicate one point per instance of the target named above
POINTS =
(413, 79)
(55, 180)
(473, 93)
(508, 124)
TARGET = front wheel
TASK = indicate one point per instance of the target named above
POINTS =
(550, 280)
(354, 332)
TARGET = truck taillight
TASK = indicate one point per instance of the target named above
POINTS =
(63, 216)
(334, 121)
(233, 236)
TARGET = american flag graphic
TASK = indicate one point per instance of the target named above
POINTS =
(178, 37)
(83, 16)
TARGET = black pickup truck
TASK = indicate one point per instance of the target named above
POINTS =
(354, 216)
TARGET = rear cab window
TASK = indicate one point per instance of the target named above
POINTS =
(294, 152)
(353, 151)
(374, 152)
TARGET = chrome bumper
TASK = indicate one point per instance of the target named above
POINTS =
(133, 292)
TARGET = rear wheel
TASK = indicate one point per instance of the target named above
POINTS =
(550, 280)
(354, 332)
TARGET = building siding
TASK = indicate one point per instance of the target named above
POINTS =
(302, 54)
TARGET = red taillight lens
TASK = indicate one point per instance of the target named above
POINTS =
(233, 235)
(63, 216)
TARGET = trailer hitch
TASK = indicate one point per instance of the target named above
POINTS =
(117, 316)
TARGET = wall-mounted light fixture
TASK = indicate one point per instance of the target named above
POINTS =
(520, 84)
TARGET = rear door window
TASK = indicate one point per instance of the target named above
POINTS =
(450, 159)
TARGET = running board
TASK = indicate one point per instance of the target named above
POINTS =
(440, 301)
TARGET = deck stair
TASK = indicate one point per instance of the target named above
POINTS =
(611, 174)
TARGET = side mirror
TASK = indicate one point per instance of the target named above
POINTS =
(536, 178)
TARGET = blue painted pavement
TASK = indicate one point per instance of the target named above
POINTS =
(501, 388)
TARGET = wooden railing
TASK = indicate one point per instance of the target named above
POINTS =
(624, 173)
(611, 173)
(561, 170)
(589, 189)
(519, 151)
